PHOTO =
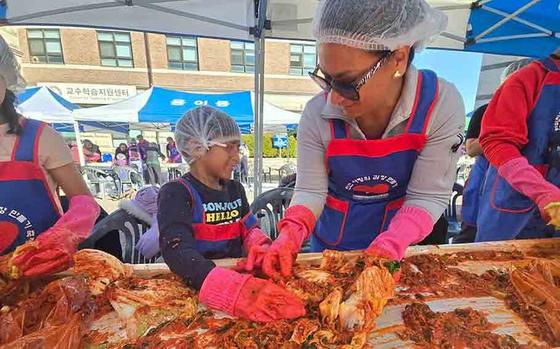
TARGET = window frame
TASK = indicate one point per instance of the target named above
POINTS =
(114, 42)
(44, 41)
(181, 47)
(251, 69)
(302, 69)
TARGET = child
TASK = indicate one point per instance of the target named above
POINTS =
(121, 155)
(173, 155)
(134, 158)
(204, 215)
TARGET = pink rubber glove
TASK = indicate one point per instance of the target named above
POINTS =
(295, 227)
(409, 226)
(52, 251)
(528, 181)
(248, 297)
(256, 243)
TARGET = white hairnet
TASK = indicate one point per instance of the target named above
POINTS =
(201, 128)
(376, 25)
(9, 68)
(513, 67)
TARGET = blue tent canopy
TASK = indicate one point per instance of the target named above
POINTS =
(520, 28)
(161, 105)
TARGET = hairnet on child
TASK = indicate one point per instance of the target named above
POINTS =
(9, 68)
(202, 127)
(377, 25)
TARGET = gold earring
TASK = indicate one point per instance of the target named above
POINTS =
(397, 74)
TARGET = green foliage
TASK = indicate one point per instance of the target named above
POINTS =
(268, 150)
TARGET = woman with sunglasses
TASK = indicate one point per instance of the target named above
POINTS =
(377, 149)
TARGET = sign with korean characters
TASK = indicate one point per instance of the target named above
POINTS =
(92, 93)
(280, 140)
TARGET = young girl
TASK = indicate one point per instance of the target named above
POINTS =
(173, 155)
(121, 155)
(34, 162)
(205, 215)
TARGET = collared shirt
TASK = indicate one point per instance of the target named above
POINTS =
(434, 171)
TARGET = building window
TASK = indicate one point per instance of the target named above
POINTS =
(242, 57)
(45, 46)
(115, 49)
(182, 53)
(303, 58)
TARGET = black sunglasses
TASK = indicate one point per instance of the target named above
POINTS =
(348, 90)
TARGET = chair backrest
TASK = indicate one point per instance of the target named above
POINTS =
(269, 208)
(451, 211)
(123, 172)
(130, 229)
(287, 169)
(96, 175)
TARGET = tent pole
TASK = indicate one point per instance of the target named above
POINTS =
(506, 19)
(79, 143)
(258, 32)
(258, 152)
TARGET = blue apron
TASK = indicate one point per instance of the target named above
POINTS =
(368, 178)
(216, 241)
(505, 213)
(27, 206)
(472, 191)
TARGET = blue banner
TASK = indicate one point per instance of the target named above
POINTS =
(170, 105)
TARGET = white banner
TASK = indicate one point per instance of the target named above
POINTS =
(91, 93)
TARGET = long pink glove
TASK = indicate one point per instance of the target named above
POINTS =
(52, 251)
(409, 226)
(295, 227)
(248, 297)
(256, 243)
(528, 181)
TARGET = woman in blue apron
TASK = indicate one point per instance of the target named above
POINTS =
(474, 184)
(520, 197)
(377, 149)
(34, 161)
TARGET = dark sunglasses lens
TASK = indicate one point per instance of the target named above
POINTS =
(323, 84)
(346, 90)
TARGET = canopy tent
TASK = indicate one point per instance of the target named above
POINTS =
(161, 105)
(522, 28)
(42, 103)
(216, 18)
(518, 28)
(272, 115)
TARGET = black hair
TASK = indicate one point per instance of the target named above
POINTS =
(411, 55)
(383, 53)
(8, 111)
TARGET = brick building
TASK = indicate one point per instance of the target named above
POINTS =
(115, 64)
(93, 67)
